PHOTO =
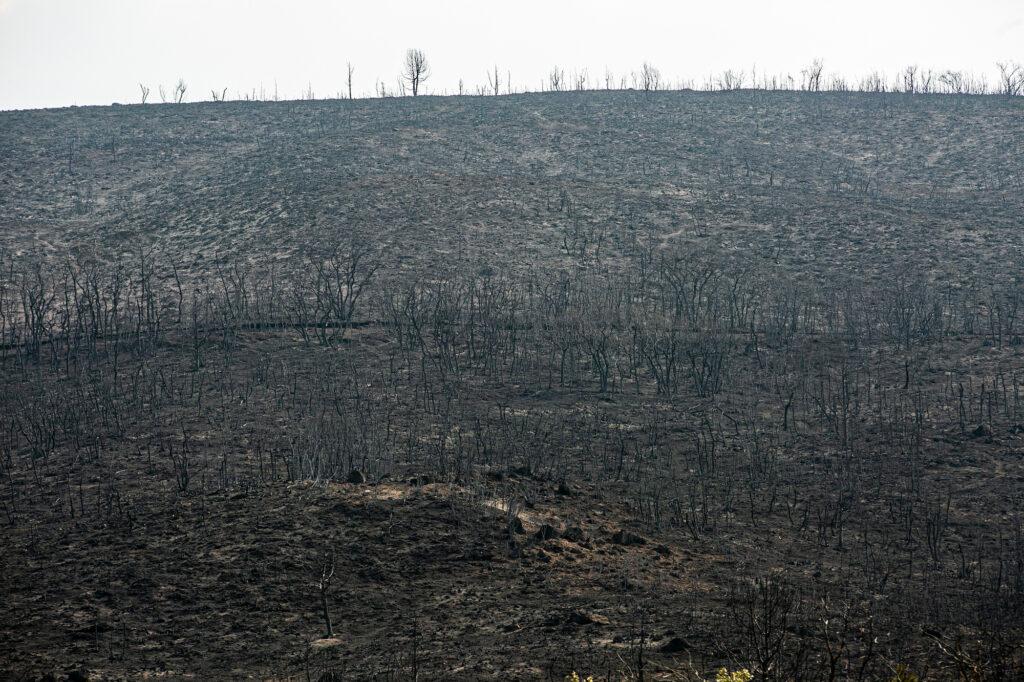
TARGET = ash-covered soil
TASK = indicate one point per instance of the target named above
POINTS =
(828, 185)
(637, 385)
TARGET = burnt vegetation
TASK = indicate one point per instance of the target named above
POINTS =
(637, 384)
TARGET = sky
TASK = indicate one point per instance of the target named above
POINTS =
(77, 52)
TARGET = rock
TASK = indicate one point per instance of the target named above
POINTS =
(516, 525)
(981, 432)
(356, 477)
(574, 534)
(547, 532)
(626, 537)
(563, 488)
(581, 617)
(674, 646)
(325, 643)
(663, 550)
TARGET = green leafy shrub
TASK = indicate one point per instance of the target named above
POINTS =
(573, 677)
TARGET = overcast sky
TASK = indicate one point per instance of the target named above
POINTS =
(63, 52)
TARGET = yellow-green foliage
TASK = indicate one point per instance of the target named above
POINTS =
(573, 677)
(724, 675)
(903, 674)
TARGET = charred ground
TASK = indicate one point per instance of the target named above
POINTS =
(633, 384)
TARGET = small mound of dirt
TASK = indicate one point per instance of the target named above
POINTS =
(574, 534)
(675, 645)
(547, 532)
(580, 617)
(628, 538)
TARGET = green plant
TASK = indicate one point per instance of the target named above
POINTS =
(573, 677)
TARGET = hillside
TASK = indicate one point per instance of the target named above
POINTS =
(632, 384)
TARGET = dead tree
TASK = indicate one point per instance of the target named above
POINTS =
(1011, 78)
(954, 81)
(910, 79)
(415, 71)
(350, 70)
(556, 80)
(650, 77)
(812, 76)
(324, 585)
(926, 82)
(494, 81)
(339, 280)
(179, 91)
(762, 611)
(145, 92)
(731, 80)
(580, 80)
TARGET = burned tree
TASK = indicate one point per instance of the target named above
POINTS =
(494, 81)
(180, 89)
(415, 71)
(812, 76)
(1011, 78)
(650, 77)
(556, 80)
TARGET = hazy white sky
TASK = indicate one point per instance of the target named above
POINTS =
(62, 52)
